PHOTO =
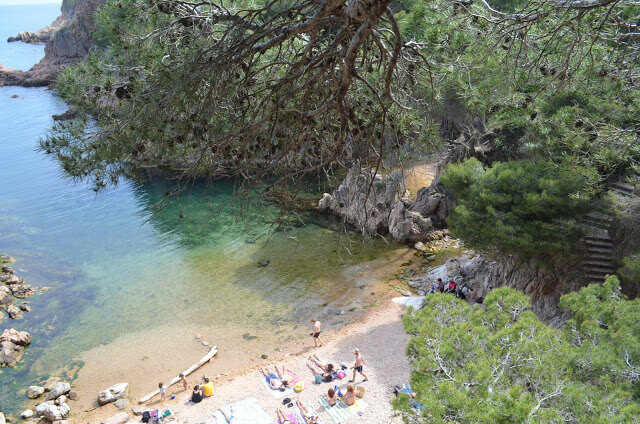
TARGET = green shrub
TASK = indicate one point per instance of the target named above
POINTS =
(501, 364)
(522, 207)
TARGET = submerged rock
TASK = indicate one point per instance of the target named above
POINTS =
(34, 392)
(113, 393)
(13, 343)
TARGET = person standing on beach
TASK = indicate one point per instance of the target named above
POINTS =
(185, 384)
(358, 366)
(161, 389)
(317, 329)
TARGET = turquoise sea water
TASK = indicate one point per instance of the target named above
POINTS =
(114, 262)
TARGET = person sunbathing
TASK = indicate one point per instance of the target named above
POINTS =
(288, 377)
(228, 418)
(284, 419)
(320, 373)
(275, 383)
(324, 365)
(310, 416)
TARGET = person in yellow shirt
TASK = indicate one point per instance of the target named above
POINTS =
(207, 387)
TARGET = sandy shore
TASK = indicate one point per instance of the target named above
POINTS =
(380, 336)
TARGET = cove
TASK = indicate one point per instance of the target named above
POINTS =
(130, 284)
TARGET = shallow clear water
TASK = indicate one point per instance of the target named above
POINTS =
(117, 265)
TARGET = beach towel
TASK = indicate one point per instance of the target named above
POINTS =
(277, 393)
(310, 407)
(339, 413)
(247, 411)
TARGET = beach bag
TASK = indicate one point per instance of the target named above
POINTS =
(318, 379)
(341, 375)
(146, 416)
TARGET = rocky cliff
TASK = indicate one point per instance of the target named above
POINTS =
(378, 204)
(69, 38)
(545, 284)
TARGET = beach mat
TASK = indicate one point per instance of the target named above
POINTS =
(277, 393)
(247, 411)
(340, 414)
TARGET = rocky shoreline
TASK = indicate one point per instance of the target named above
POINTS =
(68, 39)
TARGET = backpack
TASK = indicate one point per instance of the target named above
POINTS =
(146, 416)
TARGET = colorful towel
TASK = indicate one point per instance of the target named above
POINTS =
(277, 393)
(310, 407)
(339, 413)
(247, 411)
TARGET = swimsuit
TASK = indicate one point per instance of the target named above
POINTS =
(359, 369)
(317, 334)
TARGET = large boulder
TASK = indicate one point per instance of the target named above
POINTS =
(377, 204)
(21, 291)
(12, 345)
(14, 312)
(119, 418)
(58, 390)
(5, 296)
(9, 278)
(34, 392)
(113, 393)
(42, 407)
(54, 412)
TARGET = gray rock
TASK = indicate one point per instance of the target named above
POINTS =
(26, 414)
(113, 393)
(58, 390)
(121, 403)
(73, 395)
(419, 246)
(8, 278)
(5, 295)
(119, 418)
(21, 291)
(62, 399)
(42, 407)
(24, 306)
(14, 312)
(7, 269)
(12, 345)
(34, 392)
(52, 412)
(6, 258)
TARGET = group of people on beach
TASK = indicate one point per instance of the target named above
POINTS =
(282, 378)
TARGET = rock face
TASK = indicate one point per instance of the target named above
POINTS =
(68, 39)
(378, 205)
(543, 284)
(34, 392)
(14, 312)
(113, 393)
(12, 343)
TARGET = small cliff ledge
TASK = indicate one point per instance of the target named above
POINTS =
(68, 39)
(377, 204)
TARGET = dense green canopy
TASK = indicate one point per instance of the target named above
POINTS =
(498, 363)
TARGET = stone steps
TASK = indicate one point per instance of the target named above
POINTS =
(591, 262)
(597, 243)
(622, 187)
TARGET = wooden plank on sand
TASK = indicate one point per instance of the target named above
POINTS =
(206, 358)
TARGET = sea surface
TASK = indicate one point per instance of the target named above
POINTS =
(120, 265)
